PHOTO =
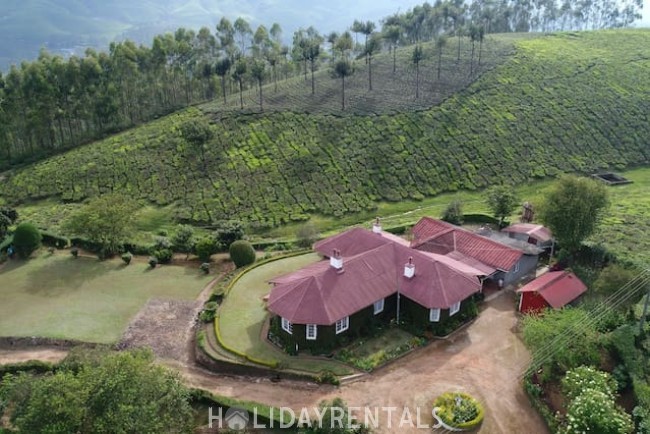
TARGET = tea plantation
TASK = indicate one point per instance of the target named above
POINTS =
(571, 102)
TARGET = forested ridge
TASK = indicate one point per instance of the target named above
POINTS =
(53, 104)
(571, 102)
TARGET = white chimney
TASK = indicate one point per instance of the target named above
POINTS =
(336, 261)
(376, 227)
(409, 269)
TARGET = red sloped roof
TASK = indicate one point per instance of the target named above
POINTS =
(352, 242)
(539, 232)
(319, 294)
(442, 237)
(558, 288)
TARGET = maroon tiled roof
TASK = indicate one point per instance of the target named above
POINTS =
(538, 232)
(355, 241)
(320, 294)
(441, 237)
(558, 288)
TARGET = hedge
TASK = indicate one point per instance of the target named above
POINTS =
(272, 363)
(36, 366)
(53, 240)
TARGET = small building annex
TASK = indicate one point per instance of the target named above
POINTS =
(554, 289)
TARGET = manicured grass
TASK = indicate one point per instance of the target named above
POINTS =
(243, 313)
(85, 299)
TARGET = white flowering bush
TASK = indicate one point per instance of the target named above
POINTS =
(584, 378)
(596, 412)
(592, 407)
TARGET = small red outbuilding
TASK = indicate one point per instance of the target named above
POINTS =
(554, 289)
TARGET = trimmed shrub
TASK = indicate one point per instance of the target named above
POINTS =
(209, 311)
(74, 252)
(164, 256)
(205, 267)
(153, 261)
(242, 253)
(127, 257)
(27, 239)
(453, 213)
(205, 248)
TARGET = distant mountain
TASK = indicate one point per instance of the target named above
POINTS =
(67, 26)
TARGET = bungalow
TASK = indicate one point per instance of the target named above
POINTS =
(554, 289)
(368, 278)
(531, 233)
(497, 261)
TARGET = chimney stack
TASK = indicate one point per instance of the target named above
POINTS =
(336, 261)
(376, 227)
(409, 269)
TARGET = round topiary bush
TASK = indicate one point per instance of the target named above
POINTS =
(242, 253)
(27, 239)
(127, 257)
(457, 411)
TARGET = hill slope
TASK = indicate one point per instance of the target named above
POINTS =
(570, 102)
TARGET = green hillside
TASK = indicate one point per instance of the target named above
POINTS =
(568, 102)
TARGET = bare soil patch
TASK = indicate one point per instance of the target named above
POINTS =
(164, 325)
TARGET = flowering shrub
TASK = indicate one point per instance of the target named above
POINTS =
(584, 378)
(595, 411)
(592, 406)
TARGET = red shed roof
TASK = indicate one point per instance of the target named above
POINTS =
(441, 237)
(558, 288)
(320, 294)
(538, 232)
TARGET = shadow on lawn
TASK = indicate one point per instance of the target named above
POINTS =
(57, 275)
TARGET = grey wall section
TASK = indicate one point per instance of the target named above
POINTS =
(527, 265)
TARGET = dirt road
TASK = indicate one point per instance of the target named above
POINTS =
(485, 360)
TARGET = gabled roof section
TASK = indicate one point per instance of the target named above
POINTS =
(538, 232)
(320, 294)
(354, 241)
(444, 238)
(558, 288)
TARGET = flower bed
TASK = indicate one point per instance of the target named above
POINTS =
(457, 411)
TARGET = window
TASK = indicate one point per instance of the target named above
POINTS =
(378, 307)
(287, 326)
(454, 308)
(434, 315)
(516, 270)
(312, 332)
(342, 325)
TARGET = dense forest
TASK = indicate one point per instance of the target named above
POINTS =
(52, 103)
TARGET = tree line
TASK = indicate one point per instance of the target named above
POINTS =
(52, 103)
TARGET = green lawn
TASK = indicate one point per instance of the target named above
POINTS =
(242, 316)
(85, 299)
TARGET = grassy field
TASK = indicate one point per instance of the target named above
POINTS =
(562, 103)
(85, 299)
(242, 316)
